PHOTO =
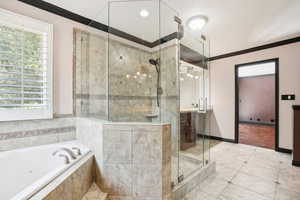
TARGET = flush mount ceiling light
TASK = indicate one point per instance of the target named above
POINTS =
(144, 13)
(197, 22)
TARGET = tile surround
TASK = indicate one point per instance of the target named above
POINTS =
(76, 185)
(21, 134)
(141, 167)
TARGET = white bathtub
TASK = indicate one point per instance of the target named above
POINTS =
(24, 172)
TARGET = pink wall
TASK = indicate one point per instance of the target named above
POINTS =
(223, 90)
(257, 98)
(63, 51)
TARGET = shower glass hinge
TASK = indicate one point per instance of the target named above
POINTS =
(177, 19)
(180, 178)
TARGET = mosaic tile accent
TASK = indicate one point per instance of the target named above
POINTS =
(37, 132)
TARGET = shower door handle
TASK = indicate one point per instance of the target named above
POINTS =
(203, 106)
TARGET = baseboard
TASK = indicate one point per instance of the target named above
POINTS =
(296, 163)
(258, 123)
(217, 138)
(283, 150)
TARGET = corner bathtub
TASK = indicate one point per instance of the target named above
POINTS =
(24, 172)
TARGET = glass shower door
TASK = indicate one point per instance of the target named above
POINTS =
(194, 100)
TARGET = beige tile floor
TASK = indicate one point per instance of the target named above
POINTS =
(249, 173)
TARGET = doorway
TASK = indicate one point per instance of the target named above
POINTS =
(257, 103)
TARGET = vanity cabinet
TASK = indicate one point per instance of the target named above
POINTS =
(187, 130)
(296, 146)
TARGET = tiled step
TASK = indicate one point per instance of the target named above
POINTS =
(95, 193)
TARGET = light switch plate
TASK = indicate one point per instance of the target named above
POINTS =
(288, 97)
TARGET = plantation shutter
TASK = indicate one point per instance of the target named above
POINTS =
(25, 82)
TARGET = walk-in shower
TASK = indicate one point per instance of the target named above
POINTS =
(132, 74)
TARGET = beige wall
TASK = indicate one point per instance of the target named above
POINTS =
(223, 90)
(63, 51)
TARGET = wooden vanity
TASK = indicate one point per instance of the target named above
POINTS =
(188, 133)
(296, 147)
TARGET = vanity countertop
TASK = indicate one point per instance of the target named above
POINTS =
(186, 110)
(189, 110)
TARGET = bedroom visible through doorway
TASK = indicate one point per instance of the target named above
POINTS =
(256, 104)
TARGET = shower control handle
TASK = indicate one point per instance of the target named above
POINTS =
(78, 150)
(203, 106)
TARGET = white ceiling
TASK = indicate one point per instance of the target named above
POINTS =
(233, 24)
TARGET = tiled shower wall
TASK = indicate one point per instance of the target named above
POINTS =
(131, 85)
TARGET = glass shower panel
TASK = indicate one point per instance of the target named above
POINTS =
(194, 121)
(169, 61)
(208, 108)
(133, 69)
(90, 69)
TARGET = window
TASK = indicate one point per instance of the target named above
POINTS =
(25, 68)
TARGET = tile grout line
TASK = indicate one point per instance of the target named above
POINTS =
(230, 181)
(236, 174)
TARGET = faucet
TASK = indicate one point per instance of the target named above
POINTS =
(71, 153)
(78, 150)
(67, 159)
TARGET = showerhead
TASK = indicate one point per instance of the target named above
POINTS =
(153, 62)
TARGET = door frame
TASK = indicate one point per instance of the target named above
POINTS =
(276, 61)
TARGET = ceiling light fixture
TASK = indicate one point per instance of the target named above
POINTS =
(144, 13)
(197, 22)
